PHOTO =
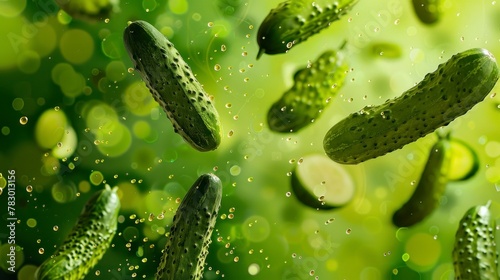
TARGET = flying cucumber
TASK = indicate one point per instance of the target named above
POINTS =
(174, 86)
(87, 242)
(430, 188)
(443, 95)
(427, 11)
(313, 88)
(89, 9)
(294, 21)
(190, 234)
(475, 256)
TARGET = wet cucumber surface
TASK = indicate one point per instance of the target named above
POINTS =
(294, 21)
(314, 87)
(190, 234)
(475, 256)
(174, 86)
(443, 95)
(87, 242)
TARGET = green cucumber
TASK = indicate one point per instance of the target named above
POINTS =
(449, 92)
(174, 86)
(87, 242)
(464, 162)
(88, 9)
(294, 21)
(313, 88)
(430, 188)
(320, 183)
(385, 50)
(190, 234)
(475, 256)
(427, 11)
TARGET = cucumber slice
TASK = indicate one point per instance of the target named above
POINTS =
(464, 161)
(321, 183)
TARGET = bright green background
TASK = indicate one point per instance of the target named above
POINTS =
(121, 137)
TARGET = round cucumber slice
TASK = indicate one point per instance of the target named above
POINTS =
(321, 183)
(464, 161)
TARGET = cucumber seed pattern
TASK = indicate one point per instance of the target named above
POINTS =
(190, 234)
(313, 88)
(431, 187)
(475, 256)
(294, 21)
(87, 242)
(173, 85)
(449, 92)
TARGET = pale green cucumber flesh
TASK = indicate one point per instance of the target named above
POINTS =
(464, 161)
(322, 184)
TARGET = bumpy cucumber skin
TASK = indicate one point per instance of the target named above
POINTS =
(87, 242)
(427, 11)
(430, 188)
(173, 85)
(294, 21)
(475, 254)
(449, 92)
(313, 86)
(190, 234)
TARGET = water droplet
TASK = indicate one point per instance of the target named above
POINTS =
(210, 24)
(41, 251)
(217, 67)
(223, 48)
(23, 120)
(288, 194)
(348, 231)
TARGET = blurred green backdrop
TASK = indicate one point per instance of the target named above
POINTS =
(75, 116)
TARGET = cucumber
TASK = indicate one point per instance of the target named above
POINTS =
(321, 183)
(313, 86)
(464, 161)
(474, 253)
(173, 85)
(449, 92)
(190, 234)
(427, 11)
(88, 9)
(385, 50)
(88, 240)
(430, 188)
(294, 21)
